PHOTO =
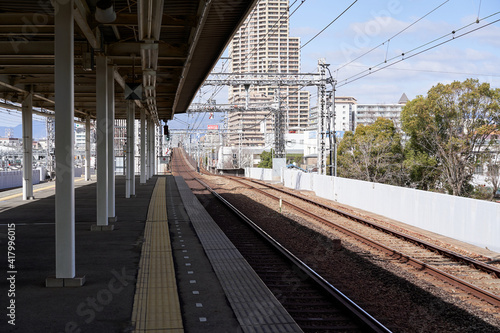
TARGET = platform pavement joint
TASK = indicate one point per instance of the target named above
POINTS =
(87, 309)
(260, 310)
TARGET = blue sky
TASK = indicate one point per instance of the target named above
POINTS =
(368, 24)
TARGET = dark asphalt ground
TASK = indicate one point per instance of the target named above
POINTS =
(109, 260)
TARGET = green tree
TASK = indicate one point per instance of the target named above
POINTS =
(493, 172)
(373, 153)
(266, 159)
(297, 158)
(447, 130)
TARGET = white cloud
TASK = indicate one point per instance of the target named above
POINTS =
(486, 36)
(473, 55)
(303, 32)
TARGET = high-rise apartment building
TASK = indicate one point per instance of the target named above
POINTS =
(262, 45)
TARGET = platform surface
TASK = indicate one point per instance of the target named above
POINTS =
(256, 308)
(164, 250)
(108, 260)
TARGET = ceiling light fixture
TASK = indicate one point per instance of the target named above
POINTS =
(104, 12)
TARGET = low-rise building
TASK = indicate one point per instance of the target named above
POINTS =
(11, 142)
(367, 114)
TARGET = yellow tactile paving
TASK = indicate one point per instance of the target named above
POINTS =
(156, 302)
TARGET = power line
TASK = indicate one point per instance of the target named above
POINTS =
(370, 71)
(441, 72)
(452, 34)
(252, 52)
(329, 24)
(432, 71)
(388, 40)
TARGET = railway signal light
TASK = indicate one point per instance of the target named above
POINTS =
(166, 132)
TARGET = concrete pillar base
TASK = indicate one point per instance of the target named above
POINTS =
(30, 198)
(112, 219)
(95, 227)
(53, 282)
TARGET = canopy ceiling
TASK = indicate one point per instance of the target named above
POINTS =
(169, 46)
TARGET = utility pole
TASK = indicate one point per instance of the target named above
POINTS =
(334, 84)
(331, 123)
(247, 102)
(321, 118)
(279, 128)
(50, 124)
(240, 133)
(273, 79)
(225, 127)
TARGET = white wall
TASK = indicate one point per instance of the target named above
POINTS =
(10, 179)
(473, 221)
(259, 173)
(42, 173)
(78, 172)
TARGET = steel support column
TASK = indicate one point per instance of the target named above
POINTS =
(151, 138)
(154, 129)
(148, 148)
(27, 120)
(132, 148)
(130, 135)
(102, 143)
(110, 138)
(155, 149)
(158, 148)
(87, 148)
(64, 143)
(143, 147)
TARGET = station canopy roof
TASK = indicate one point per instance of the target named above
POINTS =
(168, 46)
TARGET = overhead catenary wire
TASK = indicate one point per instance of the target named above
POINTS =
(252, 53)
(436, 71)
(270, 113)
(392, 37)
(405, 56)
(409, 54)
(454, 36)
(329, 24)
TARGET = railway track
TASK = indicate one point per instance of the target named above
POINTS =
(315, 304)
(473, 277)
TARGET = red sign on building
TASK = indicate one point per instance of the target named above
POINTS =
(212, 127)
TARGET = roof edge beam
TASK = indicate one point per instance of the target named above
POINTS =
(81, 12)
(195, 38)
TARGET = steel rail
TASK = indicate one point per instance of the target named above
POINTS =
(366, 319)
(459, 283)
(453, 255)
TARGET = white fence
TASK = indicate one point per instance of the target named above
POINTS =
(473, 221)
(10, 179)
(78, 172)
(259, 173)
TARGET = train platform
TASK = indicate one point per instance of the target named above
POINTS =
(166, 267)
